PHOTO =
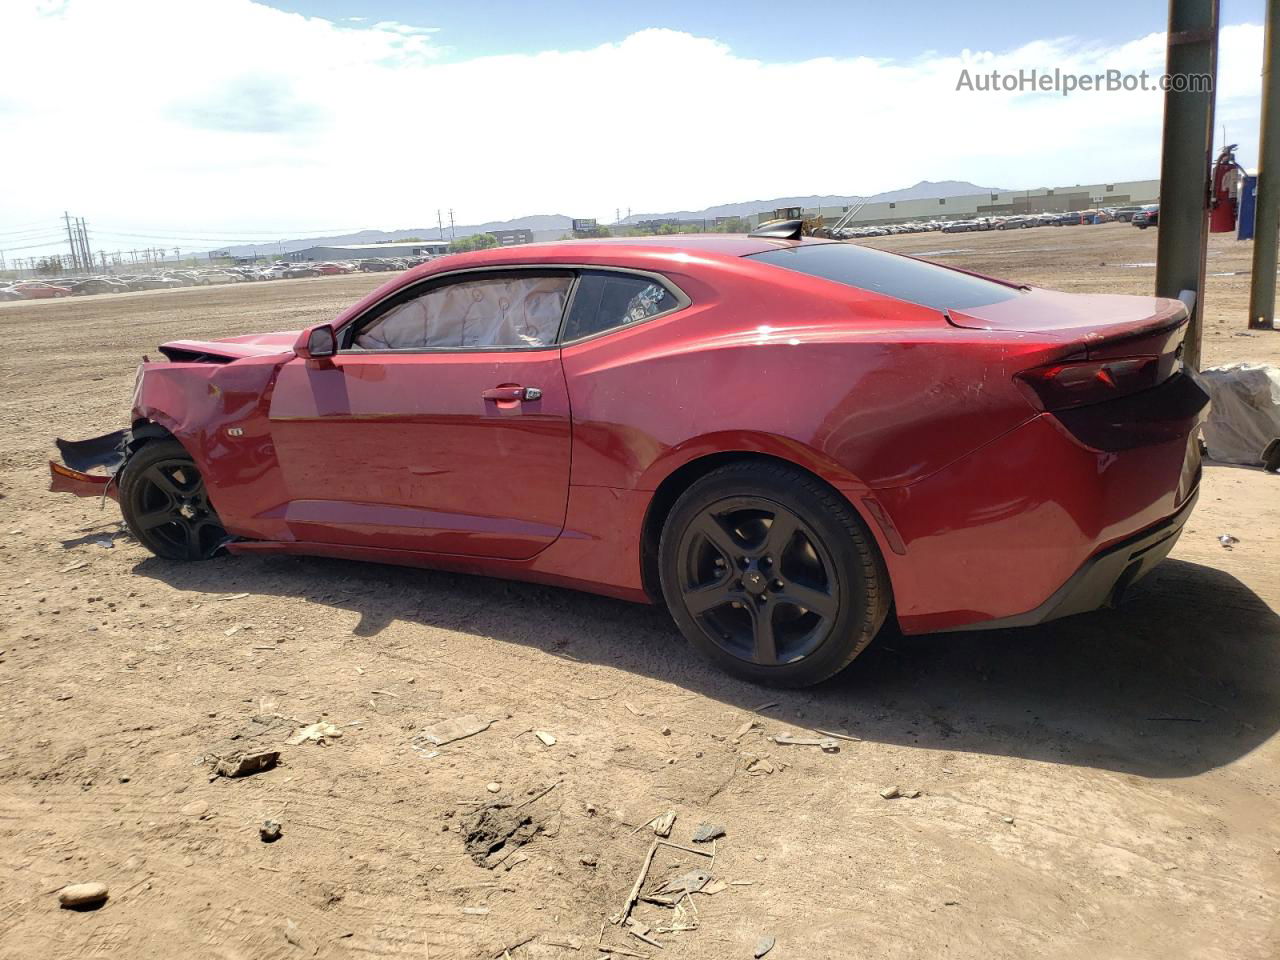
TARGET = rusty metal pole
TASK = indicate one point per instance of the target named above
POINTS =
(1262, 284)
(1186, 156)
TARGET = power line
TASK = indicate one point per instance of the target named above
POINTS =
(26, 227)
(35, 241)
(26, 234)
(270, 235)
(57, 239)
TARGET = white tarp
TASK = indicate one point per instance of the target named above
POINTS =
(1245, 416)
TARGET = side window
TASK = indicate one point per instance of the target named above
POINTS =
(606, 300)
(520, 310)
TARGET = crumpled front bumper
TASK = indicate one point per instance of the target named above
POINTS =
(72, 475)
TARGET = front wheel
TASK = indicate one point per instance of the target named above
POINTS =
(771, 574)
(164, 502)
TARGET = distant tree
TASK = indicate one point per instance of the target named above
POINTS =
(49, 267)
(733, 225)
(402, 240)
(476, 241)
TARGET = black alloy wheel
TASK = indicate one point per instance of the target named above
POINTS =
(758, 581)
(166, 506)
(771, 574)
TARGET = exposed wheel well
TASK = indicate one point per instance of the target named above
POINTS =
(678, 482)
(144, 431)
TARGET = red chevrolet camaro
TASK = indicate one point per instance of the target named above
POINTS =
(786, 441)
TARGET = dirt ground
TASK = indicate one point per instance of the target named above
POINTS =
(1105, 786)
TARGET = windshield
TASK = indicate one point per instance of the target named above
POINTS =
(902, 278)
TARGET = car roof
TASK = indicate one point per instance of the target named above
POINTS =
(618, 249)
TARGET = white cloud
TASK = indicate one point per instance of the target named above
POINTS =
(219, 117)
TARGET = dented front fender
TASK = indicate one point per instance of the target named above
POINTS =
(218, 412)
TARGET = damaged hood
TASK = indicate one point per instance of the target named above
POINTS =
(230, 348)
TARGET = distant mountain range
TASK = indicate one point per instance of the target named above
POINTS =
(553, 226)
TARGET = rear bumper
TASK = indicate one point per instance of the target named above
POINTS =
(1002, 536)
(1102, 579)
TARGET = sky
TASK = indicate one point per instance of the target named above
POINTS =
(197, 123)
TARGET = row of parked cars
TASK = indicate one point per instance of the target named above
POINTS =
(172, 279)
(1141, 216)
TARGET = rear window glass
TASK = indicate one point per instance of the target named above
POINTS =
(927, 284)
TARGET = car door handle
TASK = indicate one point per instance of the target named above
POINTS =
(509, 394)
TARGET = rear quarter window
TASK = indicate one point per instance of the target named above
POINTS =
(902, 278)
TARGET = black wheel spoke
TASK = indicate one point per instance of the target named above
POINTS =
(821, 603)
(164, 483)
(155, 518)
(782, 530)
(191, 534)
(765, 647)
(701, 599)
(720, 538)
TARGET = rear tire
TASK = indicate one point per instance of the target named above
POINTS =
(163, 499)
(771, 575)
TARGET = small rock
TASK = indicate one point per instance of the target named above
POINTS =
(662, 825)
(763, 946)
(196, 808)
(890, 793)
(547, 739)
(124, 778)
(246, 764)
(1007, 819)
(588, 860)
(493, 786)
(666, 731)
(82, 895)
(911, 794)
(270, 831)
(707, 832)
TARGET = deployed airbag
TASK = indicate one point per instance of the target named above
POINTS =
(498, 312)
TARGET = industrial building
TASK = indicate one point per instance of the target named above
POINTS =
(367, 251)
(511, 238)
(995, 204)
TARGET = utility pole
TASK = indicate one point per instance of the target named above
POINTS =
(66, 217)
(1186, 155)
(439, 226)
(1262, 283)
(177, 255)
(86, 253)
(452, 234)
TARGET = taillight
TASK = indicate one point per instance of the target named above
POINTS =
(1062, 386)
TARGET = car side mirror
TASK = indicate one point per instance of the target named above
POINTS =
(317, 342)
